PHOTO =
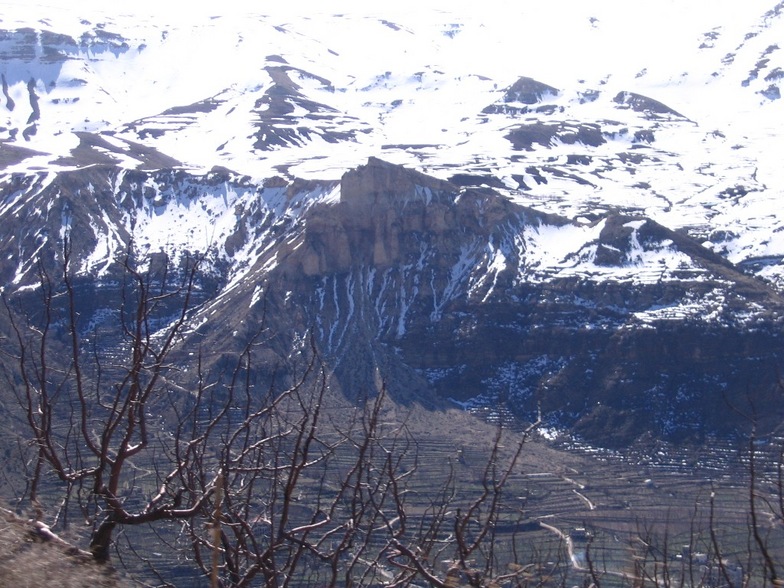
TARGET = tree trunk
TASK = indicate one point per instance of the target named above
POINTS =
(102, 539)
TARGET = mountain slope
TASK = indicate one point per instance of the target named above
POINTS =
(456, 205)
(440, 293)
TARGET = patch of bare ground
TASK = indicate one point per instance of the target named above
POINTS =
(616, 509)
(32, 556)
(565, 508)
(13, 154)
(93, 149)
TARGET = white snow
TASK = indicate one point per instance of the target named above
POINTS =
(570, 250)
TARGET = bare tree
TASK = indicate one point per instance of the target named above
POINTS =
(90, 415)
(246, 480)
(461, 530)
(304, 491)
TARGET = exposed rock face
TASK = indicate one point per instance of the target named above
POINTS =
(528, 91)
(525, 137)
(439, 293)
(380, 205)
(639, 103)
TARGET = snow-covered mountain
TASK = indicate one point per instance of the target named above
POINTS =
(573, 205)
(576, 108)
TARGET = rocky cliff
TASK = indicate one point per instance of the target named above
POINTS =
(639, 328)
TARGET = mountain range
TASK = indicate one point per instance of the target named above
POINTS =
(571, 210)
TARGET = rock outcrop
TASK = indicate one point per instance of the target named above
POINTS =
(434, 289)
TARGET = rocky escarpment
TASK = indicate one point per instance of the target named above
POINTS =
(612, 326)
(389, 217)
(443, 294)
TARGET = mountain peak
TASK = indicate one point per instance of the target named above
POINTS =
(379, 183)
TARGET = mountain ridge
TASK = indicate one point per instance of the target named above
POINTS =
(588, 137)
